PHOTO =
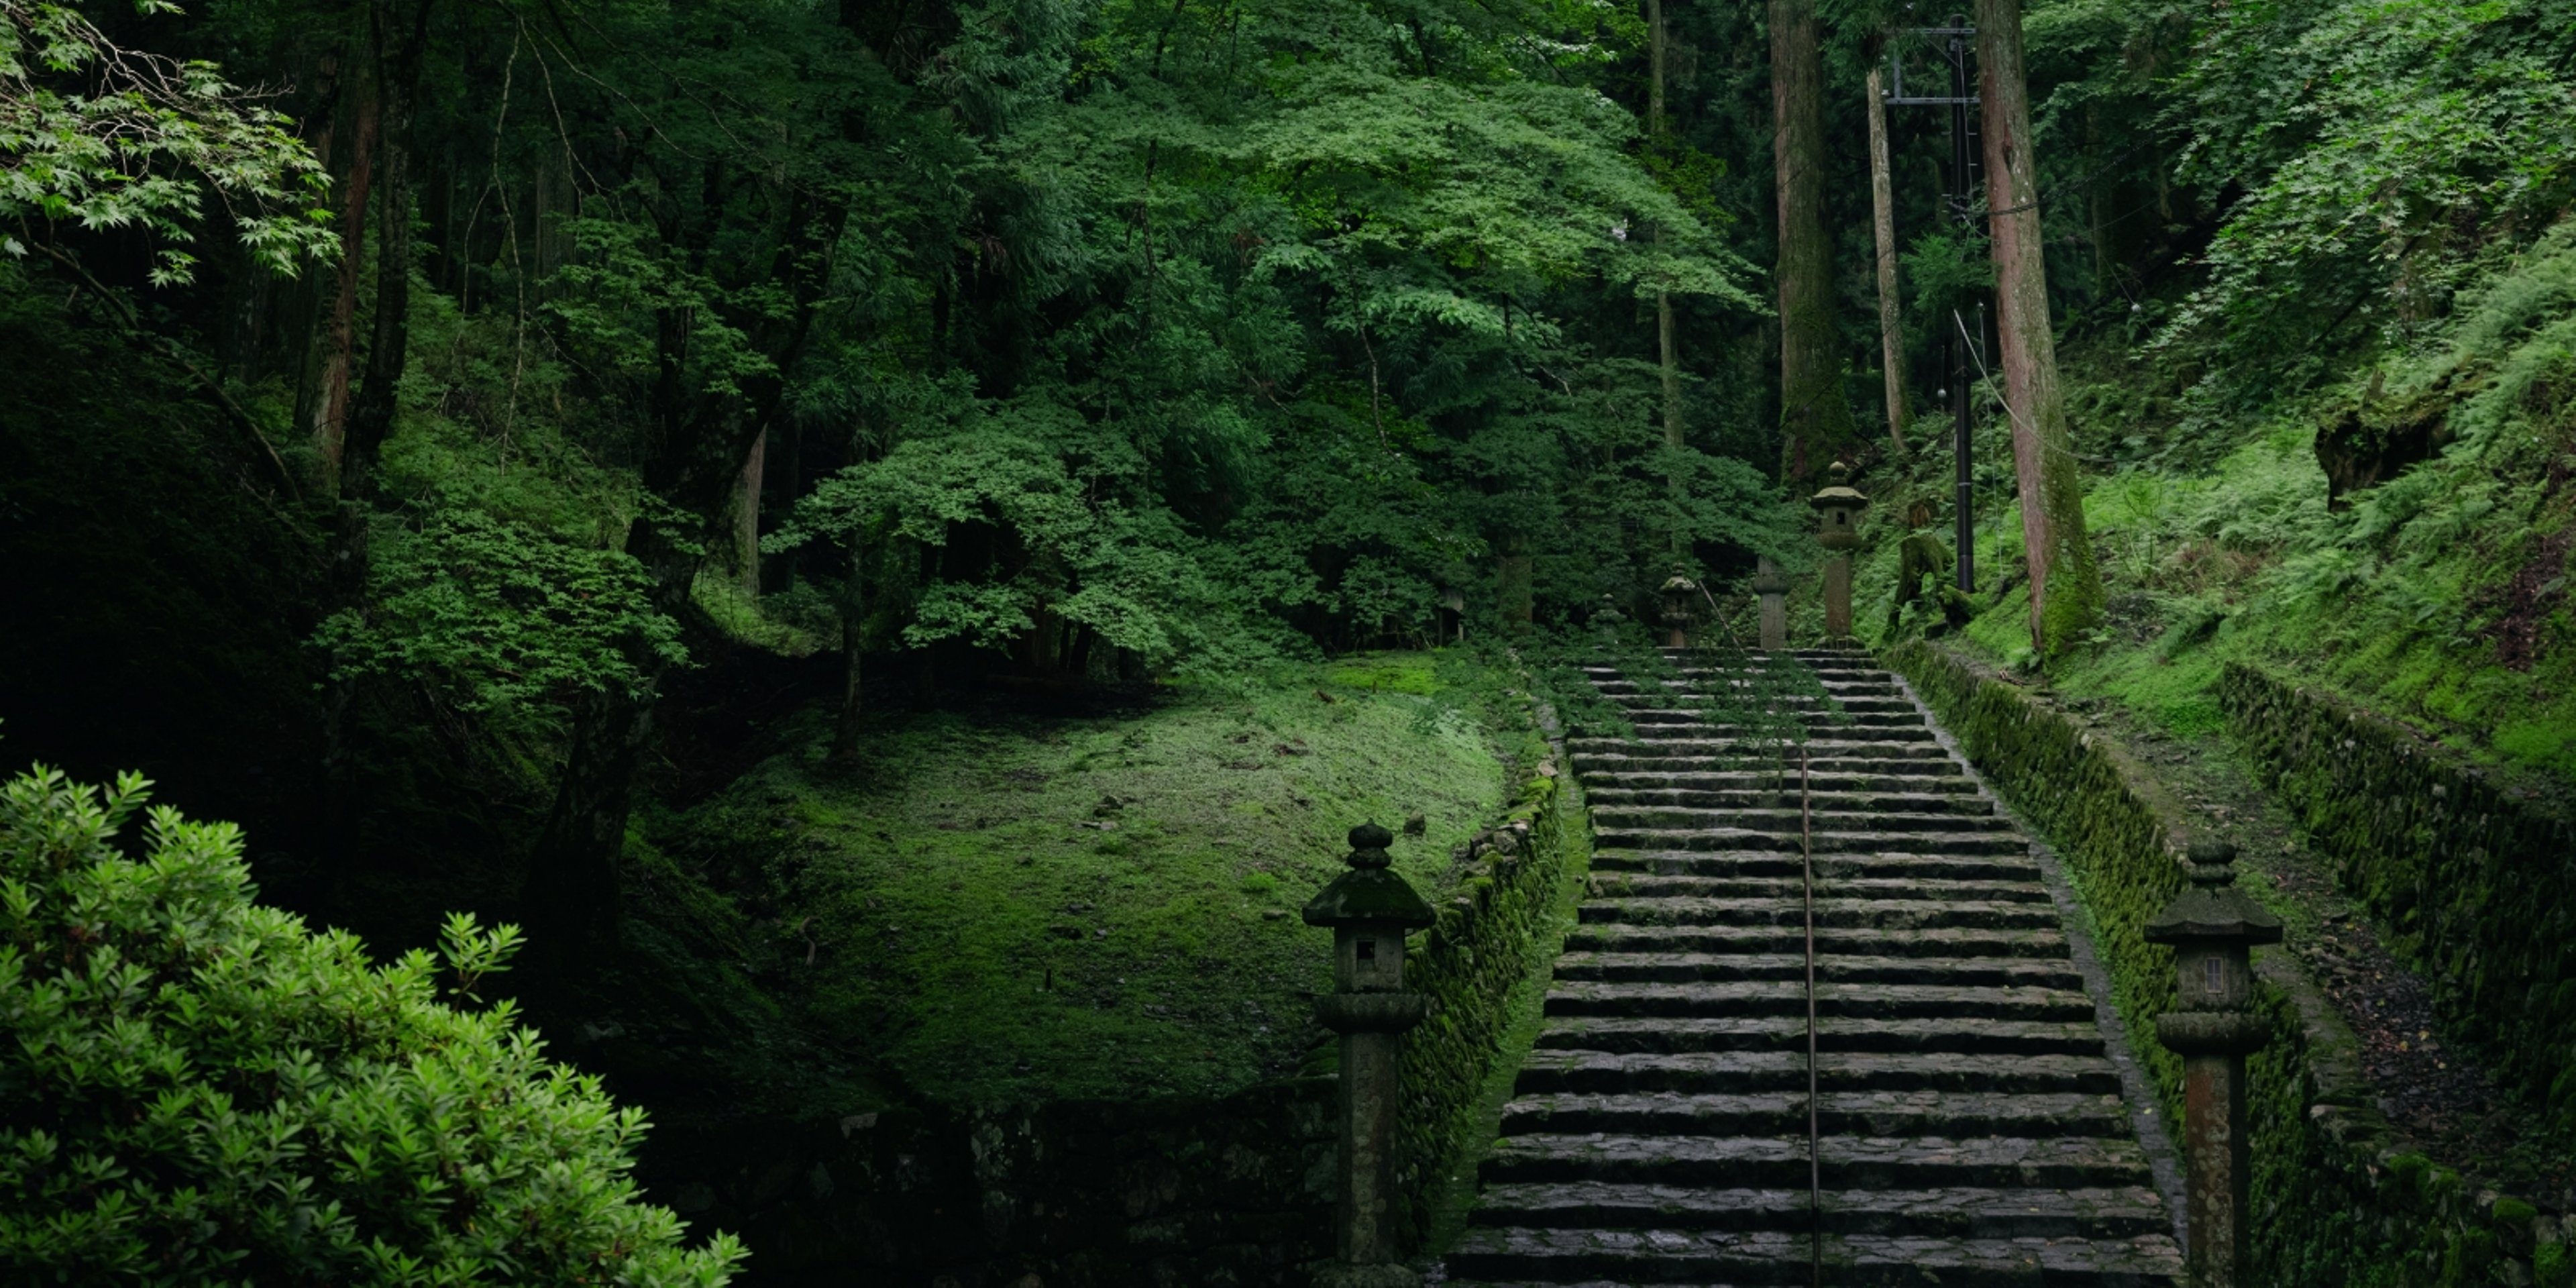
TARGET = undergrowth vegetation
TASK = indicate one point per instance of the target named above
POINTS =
(2438, 594)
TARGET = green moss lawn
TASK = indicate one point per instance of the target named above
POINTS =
(1012, 906)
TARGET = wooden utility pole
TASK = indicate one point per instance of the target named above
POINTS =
(1815, 419)
(2065, 586)
(1882, 209)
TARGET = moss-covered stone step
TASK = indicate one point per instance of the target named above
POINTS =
(1846, 1161)
(1491, 1257)
(1612, 835)
(1787, 885)
(1549, 1071)
(1606, 815)
(1788, 862)
(1888, 914)
(1686, 968)
(1951, 1212)
(1849, 1113)
(1614, 791)
(1833, 1033)
(1924, 778)
(1789, 997)
(1831, 941)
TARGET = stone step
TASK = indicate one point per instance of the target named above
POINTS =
(1837, 942)
(1632, 885)
(1834, 1034)
(1788, 821)
(1890, 914)
(1871, 1000)
(1883, 1114)
(1628, 693)
(1492, 1257)
(1974, 973)
(1828, 864)
(1690, 726)
(1885, 778)
(1549, 1071)
(2008, 1212)
(1613, 836)
(1786, 798)
(1847, 1162)
(1686, 742)
(1815, 712)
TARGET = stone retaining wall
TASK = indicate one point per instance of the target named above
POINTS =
(2478, 886)
(1485, 944)
(2339, 1197)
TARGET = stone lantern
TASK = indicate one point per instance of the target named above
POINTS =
(1838, 506)
(2213, 928)
(1773, 587)
(1680, 596)
(1370, 909)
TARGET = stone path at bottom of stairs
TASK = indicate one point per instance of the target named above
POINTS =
(1969, 1123)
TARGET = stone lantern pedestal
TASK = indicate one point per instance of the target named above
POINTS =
(1838, 508)
(1680, 608)
(2213, 928)
(1773, 587)
(1370, 909)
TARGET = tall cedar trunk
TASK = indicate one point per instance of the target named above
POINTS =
(746, 519)
(394, 78)
(371, 417)
(340, 333)
(2065, 588)
(1882, 209)
(1815, 421)
(784, 474)
(1667, 353)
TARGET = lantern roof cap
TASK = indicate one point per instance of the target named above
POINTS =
(1370, 893)
(2213, 909)
(1839, 492)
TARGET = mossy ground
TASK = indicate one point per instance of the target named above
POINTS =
(2440, 596)
(1006, 905)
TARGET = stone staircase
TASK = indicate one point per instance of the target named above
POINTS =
(1969, 1122)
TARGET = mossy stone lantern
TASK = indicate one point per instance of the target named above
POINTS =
(1680, 606)
(1772, 586)
(1370, 910)
(1838, 506)
(2213, 928)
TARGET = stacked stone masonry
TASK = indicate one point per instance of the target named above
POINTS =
(1970, 1128)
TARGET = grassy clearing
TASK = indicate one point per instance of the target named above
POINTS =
(1010, 907)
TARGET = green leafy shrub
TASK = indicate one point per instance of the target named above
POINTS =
(197, 1089)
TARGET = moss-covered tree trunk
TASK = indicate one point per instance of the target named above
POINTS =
(1882, 223)
(1667, 347)
(1815, 420)
(2065, 587)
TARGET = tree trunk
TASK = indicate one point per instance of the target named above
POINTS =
(1815, 420)
(340, 333)
(1666, 347)
(1882, 209)
(2065, 587)
(371, 416)
(746, 519)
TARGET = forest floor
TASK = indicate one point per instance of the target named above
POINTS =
(1007, 903)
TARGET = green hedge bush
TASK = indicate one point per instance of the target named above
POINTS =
(197, 1089)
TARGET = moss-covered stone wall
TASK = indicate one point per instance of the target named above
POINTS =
(2339, 1197)
(1485, 943)
(2122, 834)
(2477, 886)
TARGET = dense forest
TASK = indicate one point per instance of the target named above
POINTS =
(543, 459)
